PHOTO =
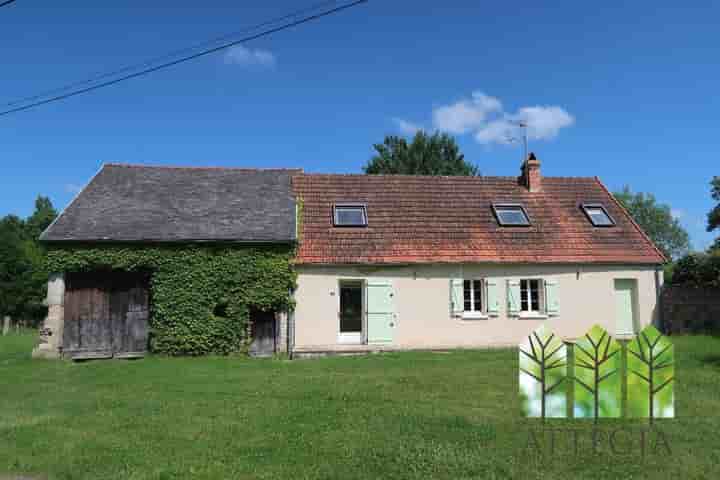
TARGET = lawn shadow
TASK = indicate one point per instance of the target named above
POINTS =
(713, 360)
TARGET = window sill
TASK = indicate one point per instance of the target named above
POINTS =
(532, 316)
(473, 316)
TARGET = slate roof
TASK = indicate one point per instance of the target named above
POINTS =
(133, 203)
(420, 219)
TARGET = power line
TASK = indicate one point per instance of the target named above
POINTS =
(162, 66)
(100, 75)
(8, 2)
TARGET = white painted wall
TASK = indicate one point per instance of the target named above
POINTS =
(422, 303)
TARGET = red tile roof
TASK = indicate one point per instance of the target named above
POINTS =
(422, 219)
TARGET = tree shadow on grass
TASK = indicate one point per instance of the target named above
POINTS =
(713, 360)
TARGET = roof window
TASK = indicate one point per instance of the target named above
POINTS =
(597, 215)
(511, 215)
(350, 215)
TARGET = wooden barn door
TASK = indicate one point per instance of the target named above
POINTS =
(106, 315)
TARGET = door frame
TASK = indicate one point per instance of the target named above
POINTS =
(353, 338)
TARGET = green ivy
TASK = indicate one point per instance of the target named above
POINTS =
(188, 284)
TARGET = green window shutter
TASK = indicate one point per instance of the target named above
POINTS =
(552, 303)
(456, 297)
(493, 296)
(513, 294)
(381, 315)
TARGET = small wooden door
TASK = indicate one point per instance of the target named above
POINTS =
(625, 307)
(264, 335)
(129, 318)
(106, 315)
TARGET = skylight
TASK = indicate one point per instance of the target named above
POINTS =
(350, 215)
(598, 215)
(511, 215)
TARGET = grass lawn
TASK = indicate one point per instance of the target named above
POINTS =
(406, 415)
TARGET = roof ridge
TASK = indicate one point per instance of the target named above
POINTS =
(184, 167)
(402, 175)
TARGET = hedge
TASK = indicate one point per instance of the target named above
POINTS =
(201, 296)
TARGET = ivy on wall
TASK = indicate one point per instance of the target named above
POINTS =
(201, 296)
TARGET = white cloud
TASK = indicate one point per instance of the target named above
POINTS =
(407, 128)
(248, 57)
(502, 131)
(484, 117)
(544, 123)
(465, 115)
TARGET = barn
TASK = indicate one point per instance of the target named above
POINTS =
(183, 261)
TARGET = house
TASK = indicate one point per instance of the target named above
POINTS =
(417, 262)
(197, 249)
(365, 262)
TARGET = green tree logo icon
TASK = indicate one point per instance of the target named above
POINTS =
(650, 365)
(543, 369)
(597, 375)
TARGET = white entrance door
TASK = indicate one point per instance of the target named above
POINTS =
(625, 291)
(351, 312)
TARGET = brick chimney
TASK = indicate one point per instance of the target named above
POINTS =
(530, 176)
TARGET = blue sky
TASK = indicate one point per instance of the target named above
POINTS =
(626, 91)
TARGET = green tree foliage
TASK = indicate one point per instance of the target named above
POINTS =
(15, 267)
(714, 214)
(543, 369)
(22, 279)
(698, 269)
(597, 375)
(657, 221)
(201, 296)
(650, 375)
(436, 154)
(41, 218)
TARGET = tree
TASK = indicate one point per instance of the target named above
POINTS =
(22, 277)
(43, 216)
(714, 215)
(657, 221)
(15, 267)
(436, 154)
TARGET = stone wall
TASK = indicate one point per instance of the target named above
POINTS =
(51, 332)
(687, 309)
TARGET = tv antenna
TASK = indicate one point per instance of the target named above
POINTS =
(522, 124)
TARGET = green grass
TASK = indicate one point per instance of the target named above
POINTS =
(406, 415)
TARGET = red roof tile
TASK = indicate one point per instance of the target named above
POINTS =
(422, 219)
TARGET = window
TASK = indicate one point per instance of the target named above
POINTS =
(597, 215)
(472, 296)
(511, 215)
(530, 292)
(350, 215)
